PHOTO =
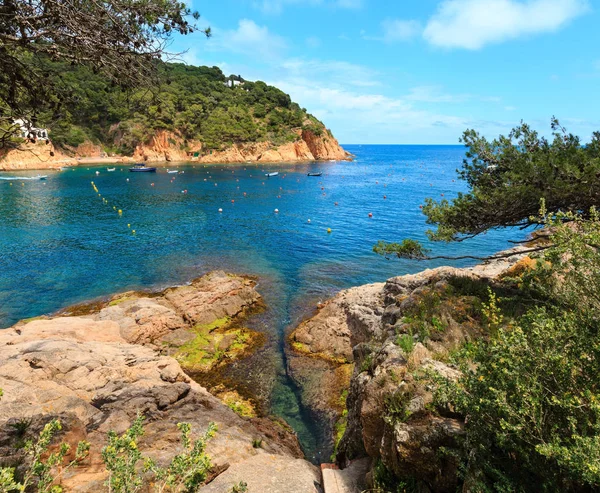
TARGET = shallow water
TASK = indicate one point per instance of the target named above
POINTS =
(60, 244)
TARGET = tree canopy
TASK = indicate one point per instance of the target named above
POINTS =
(119, 38)
(507, 178)
(195, 103)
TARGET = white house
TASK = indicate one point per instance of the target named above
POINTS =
(234, 80)
(28, 131)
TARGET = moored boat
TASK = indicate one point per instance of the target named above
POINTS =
(110, 169)
(140, 168)
(314, 174)
(172, 171)
(268, 175)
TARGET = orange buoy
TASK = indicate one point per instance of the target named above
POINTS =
(232, 201)
(370, 214)
(385, 196)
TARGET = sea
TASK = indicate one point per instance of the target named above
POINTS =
(304, 237)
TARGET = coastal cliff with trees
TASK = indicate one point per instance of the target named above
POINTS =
(193, 113)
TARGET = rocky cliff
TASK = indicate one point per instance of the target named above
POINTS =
(97, 366)
(165, 146)
(393, 336)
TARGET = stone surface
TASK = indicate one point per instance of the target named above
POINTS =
(348, 480)
(268, 473)
(86, 371)
(166, 146)
(363, 326)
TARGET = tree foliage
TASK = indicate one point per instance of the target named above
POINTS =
(193, 102)
(122, 39)
(530, 392)
(507, 177)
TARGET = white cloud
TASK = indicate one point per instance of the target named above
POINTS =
(400, 30)
(249, 38)
(435, 94)
(471, 24)
(334, 71)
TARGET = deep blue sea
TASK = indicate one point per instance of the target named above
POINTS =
(61, 244)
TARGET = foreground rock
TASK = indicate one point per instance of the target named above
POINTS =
(96, 371)
(394, 335)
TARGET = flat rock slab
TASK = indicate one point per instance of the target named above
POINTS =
(348, 480)
(268, 473)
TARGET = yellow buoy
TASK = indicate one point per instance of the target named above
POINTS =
(120, 212)
(129, 225)
(329, 230)
(133, 231)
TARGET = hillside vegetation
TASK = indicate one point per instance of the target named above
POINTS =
(196, 103)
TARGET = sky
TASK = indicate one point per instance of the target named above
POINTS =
(413, 72)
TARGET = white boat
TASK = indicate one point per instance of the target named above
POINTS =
(172, 171)
(110, 169)
(268, 175)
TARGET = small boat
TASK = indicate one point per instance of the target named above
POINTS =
(110, 169)
(269, 175)
(41, 177)
(172, 171)
(140, 168)
(314, 174)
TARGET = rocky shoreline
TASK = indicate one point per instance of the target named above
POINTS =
(97, 366)
(167, 147)
(359, 362)
(363, 361)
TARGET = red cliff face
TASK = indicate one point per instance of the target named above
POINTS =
(311, 145)
(324, 146)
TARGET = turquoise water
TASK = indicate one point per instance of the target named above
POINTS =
(60, 244)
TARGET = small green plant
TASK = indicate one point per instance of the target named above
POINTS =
(396, 407)
(121, 457)
(45, 469)
(437, 324)
(366, 363)
(491, 312)
(257, 443)
(406, 342)
(186, 472)
(189, 469)
(241, 487)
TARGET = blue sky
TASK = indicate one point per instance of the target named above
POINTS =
(414, 72)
